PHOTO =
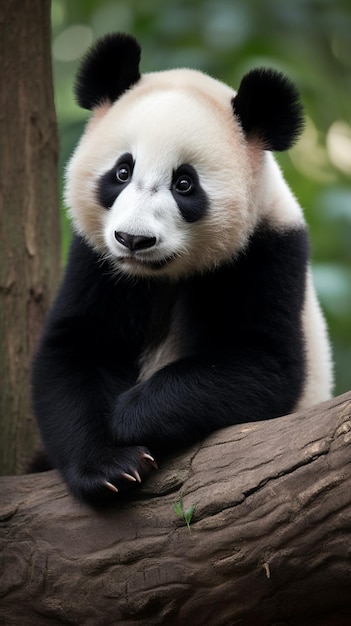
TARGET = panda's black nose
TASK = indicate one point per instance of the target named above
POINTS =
(134, 242)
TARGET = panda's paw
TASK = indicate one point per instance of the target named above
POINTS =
(121, 470)
(133, 464)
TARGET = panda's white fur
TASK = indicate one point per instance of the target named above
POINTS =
(319, 371)
(146, 347)
(151, 121)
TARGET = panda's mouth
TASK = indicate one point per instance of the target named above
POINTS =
(136, 262)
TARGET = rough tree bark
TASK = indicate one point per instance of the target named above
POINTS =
(269, 543)
(29, 216)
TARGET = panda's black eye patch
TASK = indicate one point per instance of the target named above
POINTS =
(189, 195)
(115, 180)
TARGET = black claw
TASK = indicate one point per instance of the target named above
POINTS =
(151, 459)
(110, 486)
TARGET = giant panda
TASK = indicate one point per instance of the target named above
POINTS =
(187, 304)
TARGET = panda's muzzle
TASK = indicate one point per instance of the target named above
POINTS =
(134, 242)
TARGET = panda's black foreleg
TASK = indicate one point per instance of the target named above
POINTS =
(190, 399)
(71, 399)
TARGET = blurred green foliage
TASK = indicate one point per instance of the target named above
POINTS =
(309, 40)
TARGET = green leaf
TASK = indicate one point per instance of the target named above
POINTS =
(178, 509)
(184, 515)
(188, 514)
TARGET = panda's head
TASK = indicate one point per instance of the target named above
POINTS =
(164, 180)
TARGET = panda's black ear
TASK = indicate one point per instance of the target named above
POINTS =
(268, 107)
(109, 68)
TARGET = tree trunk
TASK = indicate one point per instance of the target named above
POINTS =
(269, 542)
(29, 217)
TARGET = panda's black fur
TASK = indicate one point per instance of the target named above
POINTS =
(110, 68)
(234, 336)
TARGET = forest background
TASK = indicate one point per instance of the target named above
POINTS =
(309, 40)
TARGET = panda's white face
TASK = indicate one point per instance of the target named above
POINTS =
(162, 180)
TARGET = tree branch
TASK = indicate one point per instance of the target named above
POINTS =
(269, 541)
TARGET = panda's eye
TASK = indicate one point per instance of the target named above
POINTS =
(184, 184)
(123, 173)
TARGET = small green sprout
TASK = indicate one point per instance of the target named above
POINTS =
(185, 515)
